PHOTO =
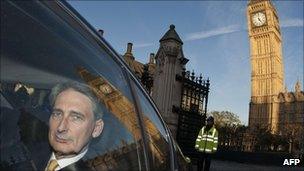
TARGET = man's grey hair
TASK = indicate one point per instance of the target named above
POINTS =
(81, 88)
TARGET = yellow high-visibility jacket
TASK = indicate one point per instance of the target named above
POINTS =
(207, 141)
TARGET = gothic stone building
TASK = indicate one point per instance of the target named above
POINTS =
(174, 90)
(270, 104)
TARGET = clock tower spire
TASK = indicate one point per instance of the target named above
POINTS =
(267, 75)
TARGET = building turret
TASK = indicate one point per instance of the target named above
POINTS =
(298, 87)
(170, 61)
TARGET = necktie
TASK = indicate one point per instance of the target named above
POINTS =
(52, 165)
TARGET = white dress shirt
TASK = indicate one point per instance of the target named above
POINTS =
(66, 161)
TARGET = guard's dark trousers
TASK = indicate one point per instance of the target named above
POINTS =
(204, 162)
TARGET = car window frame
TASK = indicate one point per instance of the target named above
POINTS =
(85, 26)
(66, 11)
(134, 83)
(60, 10)
(72, 17)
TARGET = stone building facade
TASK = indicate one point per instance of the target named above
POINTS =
(169, 62)
(271, 105)
(167, 74)
(163, 67)
(291, 111)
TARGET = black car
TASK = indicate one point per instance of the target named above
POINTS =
(44, 43)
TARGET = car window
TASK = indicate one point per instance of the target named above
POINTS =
(39, 50)
(158, 137)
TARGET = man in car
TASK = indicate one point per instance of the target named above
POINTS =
(206, 143)
(75, 119)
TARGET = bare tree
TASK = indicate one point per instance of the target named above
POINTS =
(225, 118)
(230, 130)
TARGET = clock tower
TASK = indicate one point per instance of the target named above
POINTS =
(267, 75)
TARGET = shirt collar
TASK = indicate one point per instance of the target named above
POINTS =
(67, 161)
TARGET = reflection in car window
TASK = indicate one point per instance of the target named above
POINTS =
(120, 153)
(48, 51)
(158, 140)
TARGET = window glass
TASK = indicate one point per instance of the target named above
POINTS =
(39, 50)
(158, 138)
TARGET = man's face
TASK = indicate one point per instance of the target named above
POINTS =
(72, 123)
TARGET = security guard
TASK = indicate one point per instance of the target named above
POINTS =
(206, 143)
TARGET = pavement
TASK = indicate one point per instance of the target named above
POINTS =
(218, 165)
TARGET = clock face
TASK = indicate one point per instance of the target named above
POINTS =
(106, 89)
(259, 19)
